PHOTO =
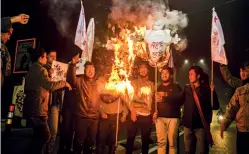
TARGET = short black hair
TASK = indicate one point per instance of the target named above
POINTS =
(88, 63)
(143, 63)
(171, 71)
(204, 78)
(50, 50)
(36, 53)
(244, 65)
(198, 70)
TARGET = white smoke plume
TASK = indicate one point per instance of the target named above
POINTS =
(147, 12)
(61, 11)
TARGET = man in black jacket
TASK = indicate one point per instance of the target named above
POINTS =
(167, 117)
(194, 132)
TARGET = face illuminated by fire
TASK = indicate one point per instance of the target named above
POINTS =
(143, 70)
(90, 71)
(166, 76)
(193, 77)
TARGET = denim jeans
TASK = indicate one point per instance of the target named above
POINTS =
(41, 135)
(66, 131)
(144, 123)
(195, 138)
(107, 134)
(167, 130)
(53, 121)
(85, 135)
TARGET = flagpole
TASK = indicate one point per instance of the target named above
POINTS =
(212, 82)
(156, 88)
(212, 66)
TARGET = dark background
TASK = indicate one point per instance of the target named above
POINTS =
(233, 15)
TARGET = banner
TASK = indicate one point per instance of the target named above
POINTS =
(80, 36)
(158, 43)
(90, 38)
(80, 66)
(18, 99)
(218, 53)
(60, 71)
(22, 57)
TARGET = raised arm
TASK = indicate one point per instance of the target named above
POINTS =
(231, 80)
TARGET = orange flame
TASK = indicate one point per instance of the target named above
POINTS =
(127, 46)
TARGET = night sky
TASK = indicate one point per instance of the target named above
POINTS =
(233, 16)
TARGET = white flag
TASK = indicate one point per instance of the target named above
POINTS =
(90, 38)
(218, 53)
(80, 36)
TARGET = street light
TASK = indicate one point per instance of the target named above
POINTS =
(185, 61)
(202, 61)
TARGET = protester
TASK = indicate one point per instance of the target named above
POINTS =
(168, 115)
(141, 110)
(233, 81)
(35, 107)
(55, 103)
(196, 129)
(6, 32)
(238, 109)
(109, 113)
(86, 108)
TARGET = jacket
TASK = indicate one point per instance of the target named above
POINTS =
(169, 110)
(5, 62)
(191, 117)
(231, 80)
(37, 87)
(138, 103)
(87, 96)
(109, 104)
(238, 110)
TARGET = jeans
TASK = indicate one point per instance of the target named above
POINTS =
(41, 135)
(167, 130)
(53, 121)
(242, 142)
(195, 138)
(107, 134)
(85, 135)
(144, 123)
(67, 132)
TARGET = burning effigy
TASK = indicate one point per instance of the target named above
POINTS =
(142, 29)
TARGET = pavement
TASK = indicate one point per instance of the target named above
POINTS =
(19, 139)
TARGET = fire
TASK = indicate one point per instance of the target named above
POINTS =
(145, 91)
(126, 46)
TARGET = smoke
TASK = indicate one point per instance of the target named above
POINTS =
(147, 12)
(61, 11)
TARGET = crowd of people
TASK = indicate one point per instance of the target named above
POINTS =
(89, 117)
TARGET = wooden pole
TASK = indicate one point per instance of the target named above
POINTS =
(156, 88)
(212, 82)
(117, 125)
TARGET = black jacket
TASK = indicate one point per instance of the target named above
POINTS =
(191, 116)
(169, 110)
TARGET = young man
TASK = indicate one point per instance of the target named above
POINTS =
(86, 107)
(233, 81)
(238, 110)
(141, 110)
(55, 103)
(108, 118)
(168, 116)
(195, 134)
(35, 107)
(6, 32)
